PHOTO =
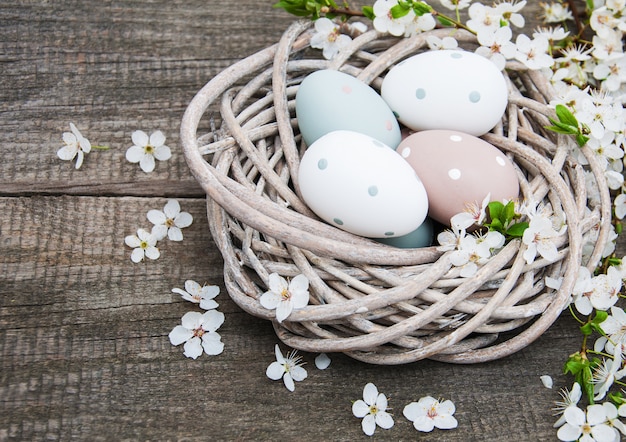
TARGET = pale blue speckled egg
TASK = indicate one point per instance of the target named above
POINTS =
(329, 100)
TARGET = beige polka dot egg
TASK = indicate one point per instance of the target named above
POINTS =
(457, 170)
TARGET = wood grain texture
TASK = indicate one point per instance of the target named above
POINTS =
(84, 352)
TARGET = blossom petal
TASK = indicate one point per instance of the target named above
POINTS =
(159, 231)
(212, 320)
(134, 154)
(191, 320)
(152, 252)
(174, 234)
(370, 393)
(137, 255)
(183, 220)
(445, 422)
(212, 343)
(288, 381)
(298, 373)
(360, 408)
(156, 217)
(384, 420)
(275, 371)
(171, 209)
(193, 348)
(66, 153)
(412, 411)
(368, 424)
(157, 138)
(277, 283)
(147, 163)
(140, 138)
(270, 300)
(569, 432)
(322, 361)
(208, 304)
(132, 241)
(424, 423)
(283, 310)
(179, 335)
(162, 153)
(80, 156)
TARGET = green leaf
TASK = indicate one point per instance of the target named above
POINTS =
(586, 329)
(565, 116)
(517, 229)
(368, 12)
(399, 11)
(563, 128)
(509, 213)
(421, 8)
(444, 21)
(581, 139)
(495, 209)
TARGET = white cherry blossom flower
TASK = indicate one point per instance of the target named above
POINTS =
(419, 23)
(76, 146)
(384, 21)
(613, 421)
(288, 368)
(612, 73)
(604, 376)
(552, 34)
(539, 239)
(144, 245)
(590, 425)
(608, 46)
(170, 221)
(198, 294)
(582, 290)
(509, 11)
(285, 297)
(533, 53)
(435, 43)
(620, 205)
(614, 326)
(497, 45)
(328, 38)
(146, 149)
(483, 18)
(569, 399)
(454, 5)
(373, 409)
(556, 12)
(429, 413)
(472, 215)
(198, 332)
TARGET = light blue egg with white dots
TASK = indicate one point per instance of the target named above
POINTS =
(360, 185)
(423, 236)
(329, 100)
(446, 89)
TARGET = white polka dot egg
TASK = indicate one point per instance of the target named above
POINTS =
(447, 89)
(361, 185)
(457, 170)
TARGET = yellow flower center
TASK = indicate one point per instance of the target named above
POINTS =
(148, 148)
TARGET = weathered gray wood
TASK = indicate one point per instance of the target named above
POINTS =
(84, 353)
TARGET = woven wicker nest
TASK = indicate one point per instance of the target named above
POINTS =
(377, 303)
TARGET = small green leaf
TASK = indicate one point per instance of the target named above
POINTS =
(563, 128)
(517, 229)
(421, 8)
(586, 329)
(565, 116)
(399, 11)
(444, 21)
(368, 12)
(581, 139)
(509, 213)
(495, 209)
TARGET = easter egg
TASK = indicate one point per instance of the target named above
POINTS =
(423, 236)
(458, 170)
(359, 184)
(329, 100)
(446, 89)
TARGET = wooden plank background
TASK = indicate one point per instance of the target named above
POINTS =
(83, 331)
